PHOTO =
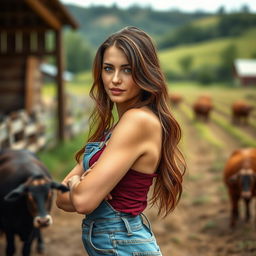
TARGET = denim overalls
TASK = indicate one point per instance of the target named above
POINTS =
(108, 232)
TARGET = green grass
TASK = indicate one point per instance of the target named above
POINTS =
(200, 200)
(60, 159)
(49, 90)
(244, 140)
(81, 85)
(210, 224)
(202, 129)
(206, 22)
(208, 53)
(223, 96)
(226, 110)
(196, 177)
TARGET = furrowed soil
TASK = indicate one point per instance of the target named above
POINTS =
(199, 226)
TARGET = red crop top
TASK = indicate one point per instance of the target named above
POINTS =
(130, 194)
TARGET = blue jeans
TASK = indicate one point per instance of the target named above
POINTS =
(108, 232)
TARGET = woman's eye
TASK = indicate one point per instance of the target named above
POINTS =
(107, 69)
(127, 70)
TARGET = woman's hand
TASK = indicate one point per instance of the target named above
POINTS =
(108, 197)
(73, 181)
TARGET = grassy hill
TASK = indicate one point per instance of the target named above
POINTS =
(208, 52)
(206, 22)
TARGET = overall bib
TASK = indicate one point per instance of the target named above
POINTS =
(109, 232)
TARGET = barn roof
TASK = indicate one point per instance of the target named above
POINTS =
(30, 30)
(34, 14)
(245, 67)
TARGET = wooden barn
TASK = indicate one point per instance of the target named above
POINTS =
(245, 71)
(29, 31)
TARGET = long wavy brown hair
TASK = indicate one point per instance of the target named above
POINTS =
(141, 55)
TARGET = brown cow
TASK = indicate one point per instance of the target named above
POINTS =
(240, 179)
(175, 99)
(241, 111)
(202, 107)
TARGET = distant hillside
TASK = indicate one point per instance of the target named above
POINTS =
(97, 22)
(208, 28)
(208, 53)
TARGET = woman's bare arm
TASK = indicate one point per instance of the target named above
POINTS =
(63, 199)
(128, 142)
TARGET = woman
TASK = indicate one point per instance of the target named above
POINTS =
(117, 166)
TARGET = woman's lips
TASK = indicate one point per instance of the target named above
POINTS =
(116, 91)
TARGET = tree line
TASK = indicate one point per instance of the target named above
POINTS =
(226, 26)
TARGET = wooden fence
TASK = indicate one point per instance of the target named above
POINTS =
(78, 111)
(19, 130)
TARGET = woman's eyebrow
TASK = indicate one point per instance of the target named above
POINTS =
(109, 64)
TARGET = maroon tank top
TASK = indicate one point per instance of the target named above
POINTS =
(130, 194)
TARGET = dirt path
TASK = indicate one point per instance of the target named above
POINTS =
(199, 225)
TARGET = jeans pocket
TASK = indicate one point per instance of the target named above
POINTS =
(97, 244)
(141, 242)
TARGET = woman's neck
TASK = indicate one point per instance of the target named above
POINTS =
(123, 107)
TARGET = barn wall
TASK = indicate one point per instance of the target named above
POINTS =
(12, 77)
(20, 83)
(33, 84)
(248, 80)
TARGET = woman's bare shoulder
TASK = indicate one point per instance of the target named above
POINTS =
(141, 114)
(141, 118)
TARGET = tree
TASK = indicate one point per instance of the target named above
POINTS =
(221, 10)
(78, 53)
(245, 9)
(205, 74)
(186, 63)
(228, 55)
(253, 55)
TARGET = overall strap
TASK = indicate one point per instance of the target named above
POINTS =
(107, 136)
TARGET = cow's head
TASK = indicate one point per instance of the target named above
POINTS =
(246, 181)
(38, 190)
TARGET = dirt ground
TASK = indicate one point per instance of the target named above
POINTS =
(200, 224)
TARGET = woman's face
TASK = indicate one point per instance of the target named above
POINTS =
(117, 77)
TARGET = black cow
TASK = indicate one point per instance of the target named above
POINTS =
(25, 199)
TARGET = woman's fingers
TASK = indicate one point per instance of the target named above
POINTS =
(108, 197)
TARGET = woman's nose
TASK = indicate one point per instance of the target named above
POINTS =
(116, 78)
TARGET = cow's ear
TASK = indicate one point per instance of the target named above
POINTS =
(16, 193)
(59, 186)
